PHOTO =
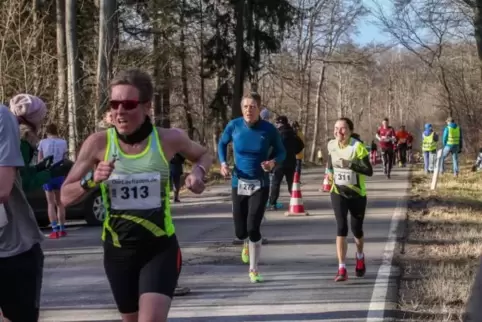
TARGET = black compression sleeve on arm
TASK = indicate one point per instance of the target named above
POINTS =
(362, 166)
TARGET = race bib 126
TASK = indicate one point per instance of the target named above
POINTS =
(344, 177)
(248, 187)
(135, 191)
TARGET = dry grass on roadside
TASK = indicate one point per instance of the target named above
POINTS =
(442, 247)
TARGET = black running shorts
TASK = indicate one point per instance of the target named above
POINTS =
(142, 267)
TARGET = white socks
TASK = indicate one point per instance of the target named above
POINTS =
(341, 266)
(254, 253)
(359, 255)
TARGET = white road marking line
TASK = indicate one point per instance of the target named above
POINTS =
(195, 311)
(378, 302)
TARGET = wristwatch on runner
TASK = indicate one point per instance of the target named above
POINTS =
(87, 182)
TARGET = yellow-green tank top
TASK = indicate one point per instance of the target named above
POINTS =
(136, 196)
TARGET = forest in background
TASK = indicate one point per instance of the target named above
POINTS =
(300, 55)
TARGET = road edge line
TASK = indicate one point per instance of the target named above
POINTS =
(381, 290)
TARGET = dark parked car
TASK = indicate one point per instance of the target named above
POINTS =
(89, 208)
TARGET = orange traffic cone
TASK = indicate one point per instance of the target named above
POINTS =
(326, 184)
(296, 202)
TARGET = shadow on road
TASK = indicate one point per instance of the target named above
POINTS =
(334, 315)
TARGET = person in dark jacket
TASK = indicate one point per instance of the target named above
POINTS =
(176, 164)
(293, 145)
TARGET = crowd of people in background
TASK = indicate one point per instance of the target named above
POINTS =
(396, 146)
(452, 143)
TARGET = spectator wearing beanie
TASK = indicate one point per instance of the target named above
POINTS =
(30, 112)
(21, 257)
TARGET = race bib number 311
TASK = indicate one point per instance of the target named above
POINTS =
(135, 191)
(248, 187)
(344, 177)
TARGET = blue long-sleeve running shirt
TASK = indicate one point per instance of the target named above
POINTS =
(251, 147)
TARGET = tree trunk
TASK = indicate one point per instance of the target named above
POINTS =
(478, 31)
(216, 128)
(339, 97)
(161, 73)
(185, 89)
(166, 92)
(390, 94)
(203, 103)
(107, 27)
(61, 107)
(306, 110)
(369, 103)
(319, 95)
(73, 77)
(239, 61)
(36, 48)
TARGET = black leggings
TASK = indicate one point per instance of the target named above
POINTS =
(20, 285)
(143, 267)
(248, 212)
(299, 164)
(356, 206)
(402, 153)
(279, 173)
(388, 159)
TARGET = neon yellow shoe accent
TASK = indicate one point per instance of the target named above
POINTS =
(245, 254)
(255, 277)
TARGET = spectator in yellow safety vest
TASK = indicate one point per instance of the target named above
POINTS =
(429, 147)
(452, 143)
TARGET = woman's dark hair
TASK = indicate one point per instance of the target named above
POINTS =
(24, 121)
(51, 129)
(348, 122)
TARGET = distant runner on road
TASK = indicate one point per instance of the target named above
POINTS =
(348, 164)
(56, 147)
(386, 137)
(252, 139)
(142, 258)
(402, 137)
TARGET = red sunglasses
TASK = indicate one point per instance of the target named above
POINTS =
(126, 104)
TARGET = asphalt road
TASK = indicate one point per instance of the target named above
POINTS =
(298, 264)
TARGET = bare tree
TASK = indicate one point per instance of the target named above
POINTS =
(72, 74)
(107, 34)
(61, 61)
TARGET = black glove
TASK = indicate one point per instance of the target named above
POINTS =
(45, 164)
(474, 168)
(61, 168)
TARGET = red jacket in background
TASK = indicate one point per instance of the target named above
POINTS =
(409, 139)
(389, 133)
